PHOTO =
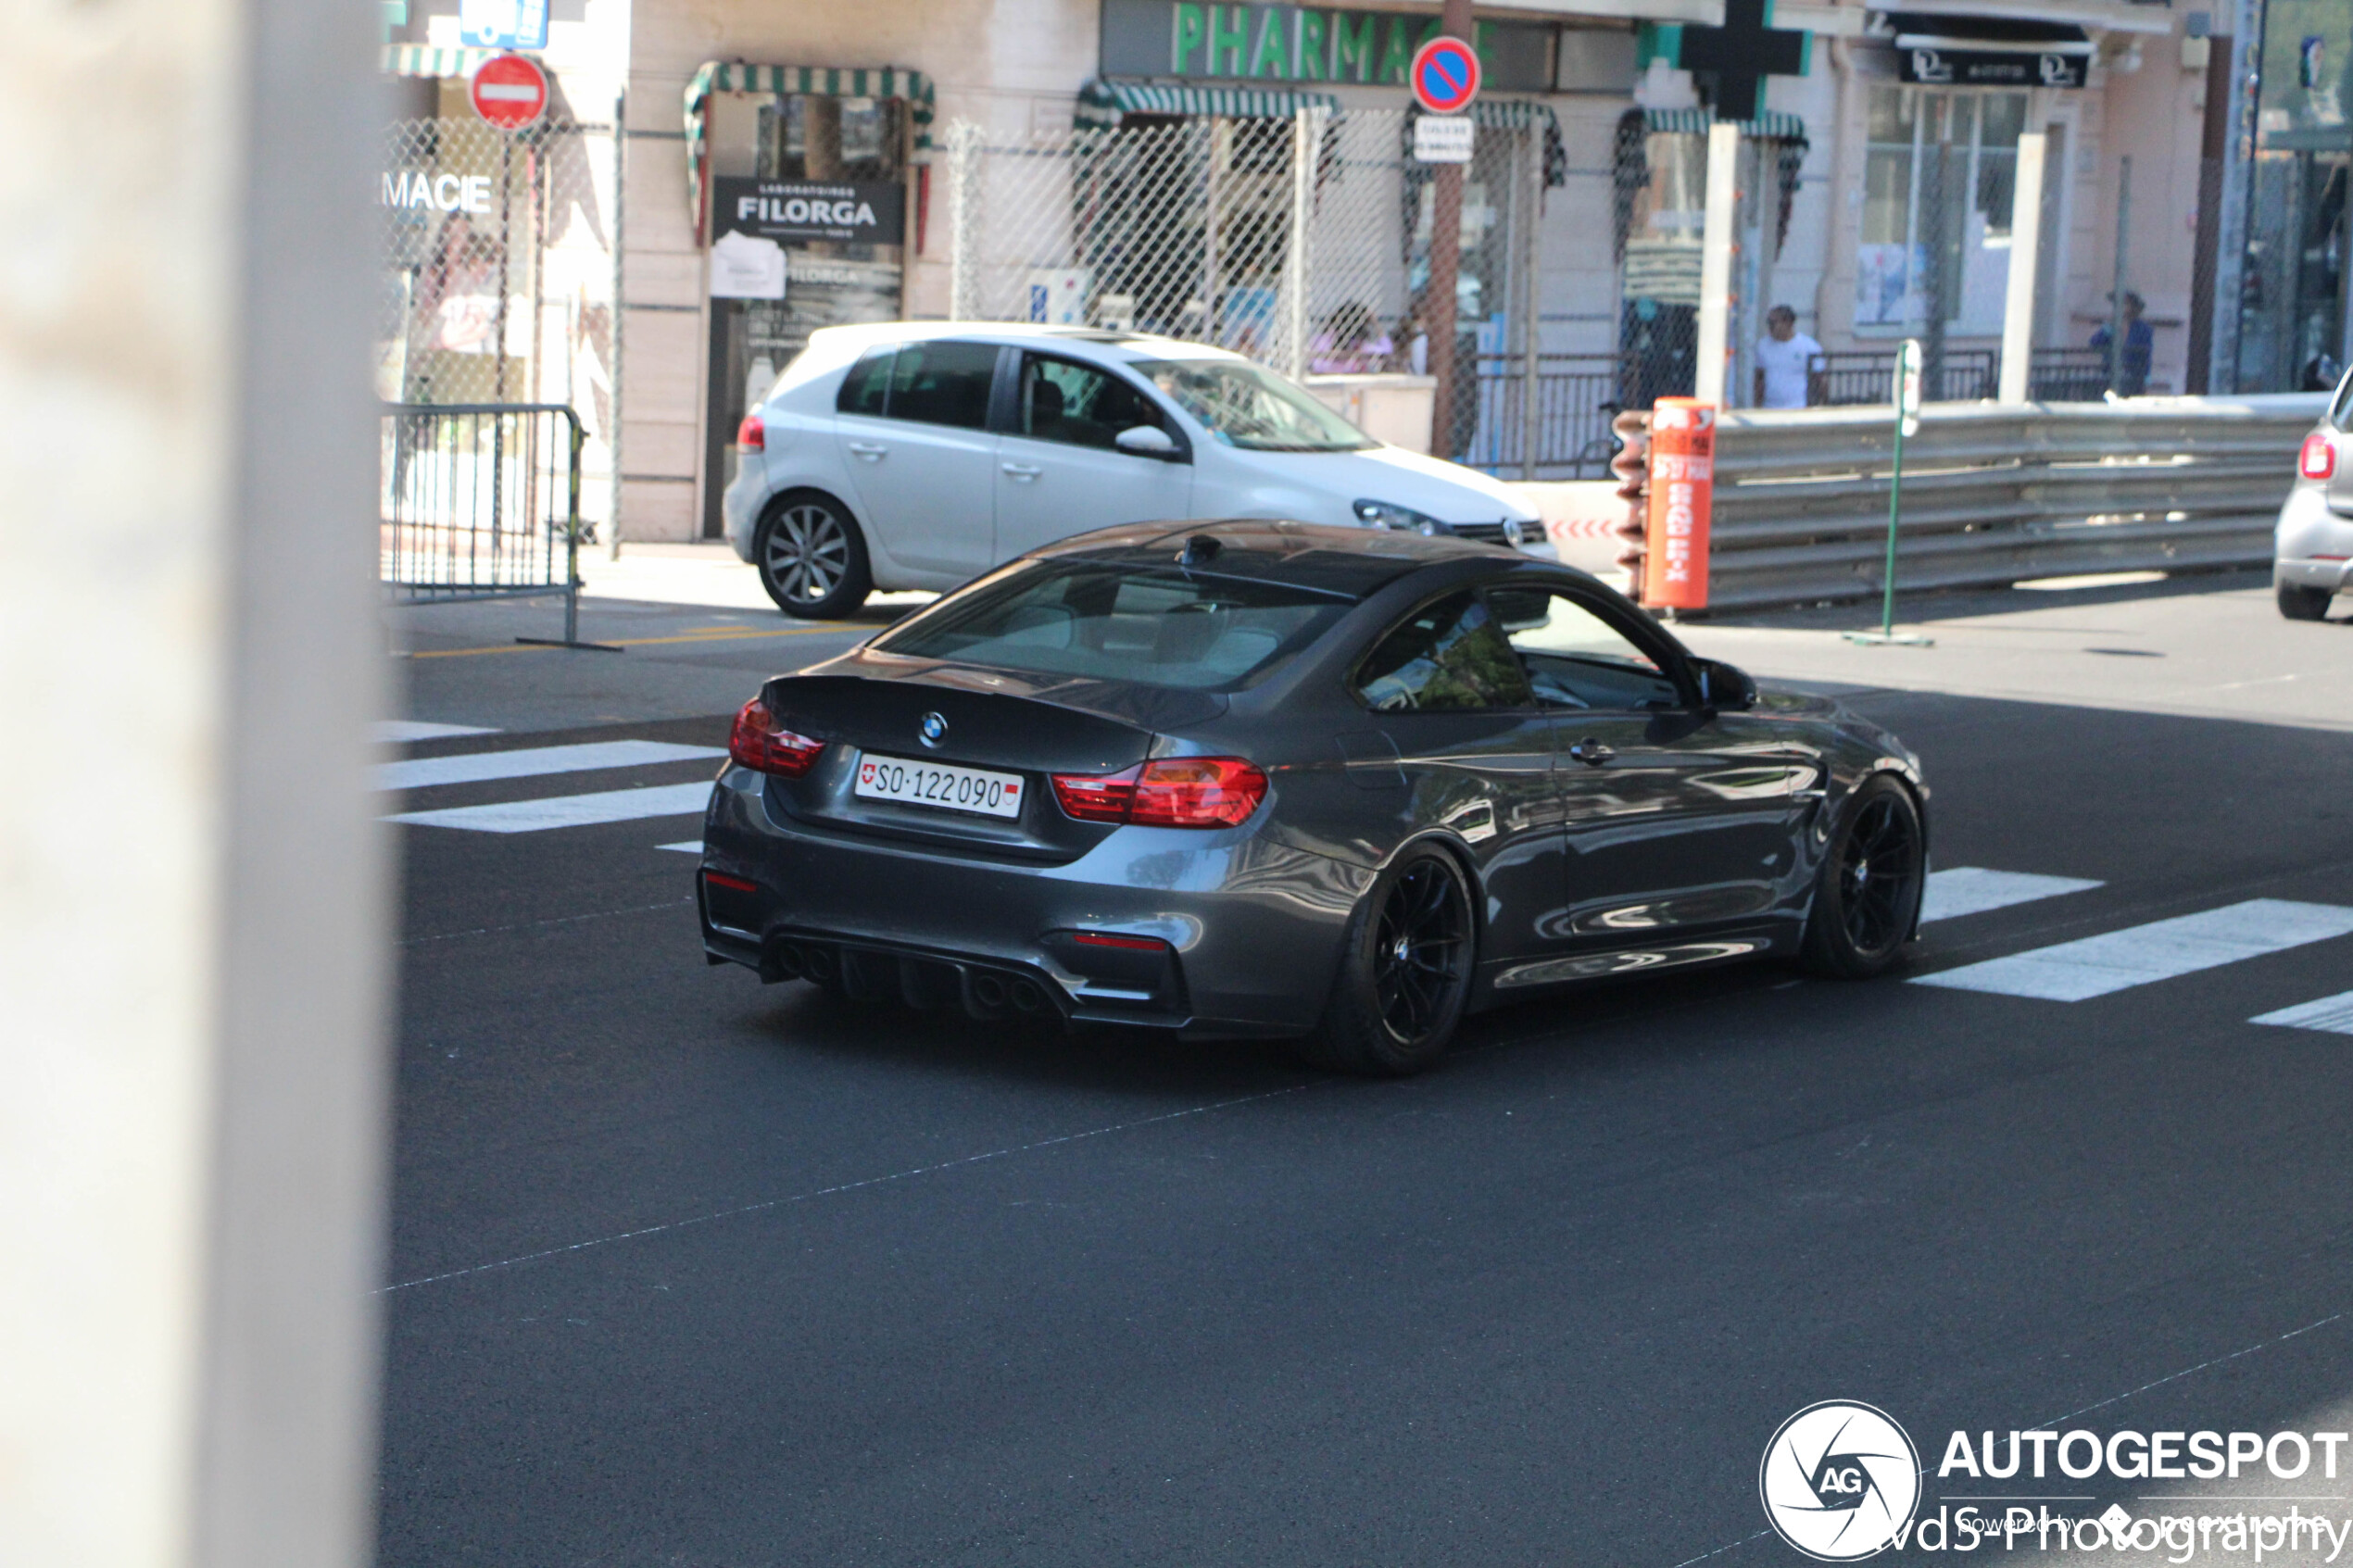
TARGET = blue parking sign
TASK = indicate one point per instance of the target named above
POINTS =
(502, 24)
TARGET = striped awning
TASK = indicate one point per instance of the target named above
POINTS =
(1103, 102)
(824, 81)
(423, 59)
(1768, 126)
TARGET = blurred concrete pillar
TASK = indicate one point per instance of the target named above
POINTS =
(1717, 245)
(2017, 375)
(192, 890)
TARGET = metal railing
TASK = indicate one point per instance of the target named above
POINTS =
(481, 501)
(1854, 377)
(1576, 395)
(1993, 494)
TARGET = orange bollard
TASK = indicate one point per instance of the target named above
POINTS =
(1683, 486)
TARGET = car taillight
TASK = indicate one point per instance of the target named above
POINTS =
(760, 743)
(752, 435)
(1175, 792)
(2318, 457)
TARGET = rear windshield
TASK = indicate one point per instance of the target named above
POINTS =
(1160, 627)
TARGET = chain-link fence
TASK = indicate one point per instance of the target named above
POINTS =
(498, 273)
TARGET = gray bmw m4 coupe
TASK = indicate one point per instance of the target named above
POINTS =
(1274, 779)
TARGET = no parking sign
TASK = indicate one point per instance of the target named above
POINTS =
(1444, 76)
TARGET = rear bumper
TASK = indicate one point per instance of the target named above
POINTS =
(1252, 926)
(2313, 546)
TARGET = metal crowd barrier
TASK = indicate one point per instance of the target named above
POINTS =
(1993, 494)
(482, 501)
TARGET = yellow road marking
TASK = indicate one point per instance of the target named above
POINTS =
(708, 635)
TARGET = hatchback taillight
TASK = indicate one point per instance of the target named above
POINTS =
(1175, 792)
(2318, 457)
(760, 743)
(752, 435)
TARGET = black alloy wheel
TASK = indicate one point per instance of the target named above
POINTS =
(811, 557)
(1405, 971)
(2300, 603)
(1867, 899)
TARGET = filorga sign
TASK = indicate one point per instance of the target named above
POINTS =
(861, 212)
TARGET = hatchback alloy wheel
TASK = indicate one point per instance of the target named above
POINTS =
(811, 558)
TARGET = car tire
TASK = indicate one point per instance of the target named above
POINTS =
(1406, 968)
(811, 557)
(1867, 896)
(2300, 603)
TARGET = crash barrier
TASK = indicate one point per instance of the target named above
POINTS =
(1994, 494)
(481, 501)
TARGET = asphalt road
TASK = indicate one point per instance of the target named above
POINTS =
(689, 1271)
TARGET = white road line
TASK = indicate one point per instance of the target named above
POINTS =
(690, 846)
(568, 810)
(391, 732)
(2332, 1014)
(473, 767)
(1972, 890)
(2072, 971)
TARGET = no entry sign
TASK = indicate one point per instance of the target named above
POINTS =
(510, 90)
(1444, 75)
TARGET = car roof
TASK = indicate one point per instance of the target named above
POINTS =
(1352, 562)
(1088, 341)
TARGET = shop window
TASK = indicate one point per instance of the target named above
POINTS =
(1939, 171)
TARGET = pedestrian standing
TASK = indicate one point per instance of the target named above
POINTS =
(1786, 376)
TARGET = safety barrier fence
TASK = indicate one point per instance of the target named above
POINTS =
(481, 501)
(1994, 494)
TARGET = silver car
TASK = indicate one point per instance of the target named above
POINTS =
(2313, 556)
(909, 455)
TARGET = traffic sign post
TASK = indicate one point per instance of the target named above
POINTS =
(510, 90)
(1444, 75)
(1906, 398)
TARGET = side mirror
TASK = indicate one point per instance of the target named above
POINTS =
(1146, 441)
(1723, 686)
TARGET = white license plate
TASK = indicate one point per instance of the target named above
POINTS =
(937, 784)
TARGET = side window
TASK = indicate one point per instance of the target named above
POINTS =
(1444, 658)
(943, 383)
(868, 384)
(1574, 658)
(1062, 400)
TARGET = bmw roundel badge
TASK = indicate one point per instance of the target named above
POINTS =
(932, 729)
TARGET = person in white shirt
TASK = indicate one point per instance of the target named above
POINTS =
(1785, 374)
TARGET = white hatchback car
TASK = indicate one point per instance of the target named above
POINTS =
(2312, 552)
(921, 455)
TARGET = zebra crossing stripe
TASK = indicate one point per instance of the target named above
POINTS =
(475, 767)
(688, 847)
(391, 732)
(2331, 1014)
(1972, 890)
(568, 810)
(2096, 966)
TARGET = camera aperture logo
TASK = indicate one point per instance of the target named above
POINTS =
(1840, 1481)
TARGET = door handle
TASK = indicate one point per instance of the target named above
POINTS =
(1022, 471)
(868, 449)
(1591, 752)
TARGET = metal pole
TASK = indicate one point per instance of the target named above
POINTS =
(1532, 294)
(1910, 371)
(1306, 136)
(613, 332)
(1894, 520)
(963, 267)
(1445, 264)
(2026, 240)
(1213, 128)
(1716, 260)
(2116, 293)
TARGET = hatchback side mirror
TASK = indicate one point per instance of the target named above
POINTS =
(1723, 686)
(1145, 441)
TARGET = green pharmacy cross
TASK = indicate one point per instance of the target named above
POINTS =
(1740, 54)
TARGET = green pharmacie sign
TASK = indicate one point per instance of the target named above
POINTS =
(1301, 43)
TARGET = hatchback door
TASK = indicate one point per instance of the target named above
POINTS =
(1676, 819)
(1059, 468)
(912, 423)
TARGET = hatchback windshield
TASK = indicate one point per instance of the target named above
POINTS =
(1162, 627)
(1252, 409)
